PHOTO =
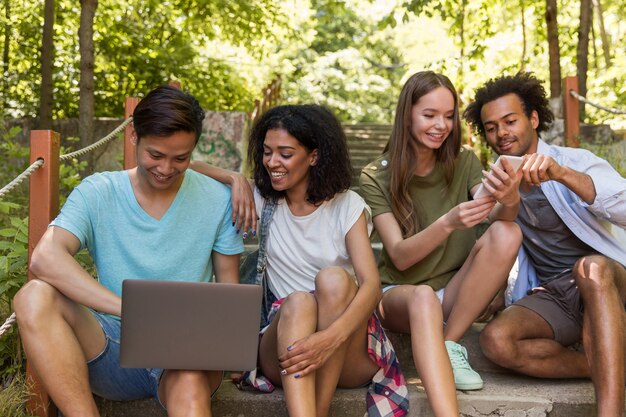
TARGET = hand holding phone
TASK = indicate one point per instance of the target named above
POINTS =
(515, 162)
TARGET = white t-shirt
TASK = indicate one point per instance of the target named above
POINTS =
(298, 247)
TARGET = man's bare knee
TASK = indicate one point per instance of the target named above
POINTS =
(34, 302)
(497, 343)
(595, 273)
(188, 390)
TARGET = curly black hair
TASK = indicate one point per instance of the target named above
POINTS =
(525, 85)
(315, 127)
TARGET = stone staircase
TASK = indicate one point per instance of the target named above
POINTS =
(366, 142)
(504, 394)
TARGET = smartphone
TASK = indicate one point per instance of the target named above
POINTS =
(515, 162)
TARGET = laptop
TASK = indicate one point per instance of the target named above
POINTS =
(189, 325)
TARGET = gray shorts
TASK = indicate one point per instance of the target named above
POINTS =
(561, 306)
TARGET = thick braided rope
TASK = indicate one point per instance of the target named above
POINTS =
(7, 324)
(584, 100)
(38, 163)
(27, 172)
(97, 144)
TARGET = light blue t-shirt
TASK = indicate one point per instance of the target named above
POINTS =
(125, 242)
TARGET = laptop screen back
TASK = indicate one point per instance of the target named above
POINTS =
(189, 325)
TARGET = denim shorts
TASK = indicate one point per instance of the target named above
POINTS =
(109, 380)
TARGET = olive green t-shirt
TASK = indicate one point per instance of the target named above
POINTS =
(431, 200)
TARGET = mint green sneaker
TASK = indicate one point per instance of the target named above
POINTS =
(465, 378)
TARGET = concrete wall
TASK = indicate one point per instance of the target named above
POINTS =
(221, 143)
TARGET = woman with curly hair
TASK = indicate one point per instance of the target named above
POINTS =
(321, 270)
(439, 274)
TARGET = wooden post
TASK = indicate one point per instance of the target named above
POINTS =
(43, 207)
(175, 84)
(571, 112)
(130, 157)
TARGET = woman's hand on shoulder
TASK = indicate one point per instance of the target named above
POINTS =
(468, 214)
(244, 208)
(308, 354)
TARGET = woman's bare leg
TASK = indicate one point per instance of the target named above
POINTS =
(334, 290)
(296, 319)
(485, 271)
(417, 310)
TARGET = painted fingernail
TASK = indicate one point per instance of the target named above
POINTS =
(254, 233)
(233, 224)
(289, 347)
(283, 372)
(245, 235)
(238, 231)
(296, 376)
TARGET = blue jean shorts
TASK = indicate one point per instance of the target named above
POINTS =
(109, 380)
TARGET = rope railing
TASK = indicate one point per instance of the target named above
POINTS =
(599, 106)
(36, 165)
(18, 180)
(97, 144)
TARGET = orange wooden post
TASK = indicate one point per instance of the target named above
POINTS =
(43, 207)
(175, 84)
(130, 157)
(571, 112)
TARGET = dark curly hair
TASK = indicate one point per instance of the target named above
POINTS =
(525, 85)
(167, 110)
(315, 127)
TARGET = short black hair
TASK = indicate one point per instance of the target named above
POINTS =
(525, 85)
(315, 127)
(167, 110)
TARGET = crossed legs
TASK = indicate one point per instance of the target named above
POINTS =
(302, 314)
(60, 337)
(522, 340)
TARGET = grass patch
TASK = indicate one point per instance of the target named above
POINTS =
(13, 397)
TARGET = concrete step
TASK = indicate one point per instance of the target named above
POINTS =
(504, 394)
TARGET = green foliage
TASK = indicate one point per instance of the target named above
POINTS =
(138, 45)
(343, 62)
(14, 245)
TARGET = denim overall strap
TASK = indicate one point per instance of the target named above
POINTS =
(266, 219)
(261, 275)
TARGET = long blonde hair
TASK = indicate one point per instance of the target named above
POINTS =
(401, 146)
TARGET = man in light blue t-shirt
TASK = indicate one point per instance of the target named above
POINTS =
(156, 221)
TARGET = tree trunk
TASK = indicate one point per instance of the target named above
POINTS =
(553, 49)
(606, 46)
(582, 51)
(86, 96)
(47, 67)
(461, 75)
(5, 57)
(523, 58)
